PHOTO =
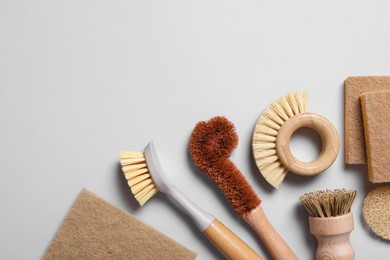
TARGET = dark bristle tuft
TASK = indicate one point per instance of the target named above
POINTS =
(328, 203)
(211, 145)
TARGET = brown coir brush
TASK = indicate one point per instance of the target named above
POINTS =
(211, 145)
(331, 221)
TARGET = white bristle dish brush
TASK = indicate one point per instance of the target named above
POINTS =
(272, 134)
(145, 177)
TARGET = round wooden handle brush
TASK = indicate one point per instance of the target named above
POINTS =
(211, 144)
(145, 177)
(331, 222)
(272, 134)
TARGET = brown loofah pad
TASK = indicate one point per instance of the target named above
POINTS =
(95, 229)
(376, 119)
(355, 151)
(376, 211)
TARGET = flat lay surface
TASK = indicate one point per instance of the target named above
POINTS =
(81, 81)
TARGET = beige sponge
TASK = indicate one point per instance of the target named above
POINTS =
(376, 121)
(94, 229)
(354, 138)
(376, 211)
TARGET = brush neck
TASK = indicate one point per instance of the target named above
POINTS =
(333, 236)
(201, 218)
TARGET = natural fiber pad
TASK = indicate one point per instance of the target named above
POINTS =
(376, 121)
(376, 211)
(355, 152)
(96, 229)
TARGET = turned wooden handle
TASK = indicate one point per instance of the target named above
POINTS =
(333, 237)
(275, 244)
(329, 138)
(230, 245)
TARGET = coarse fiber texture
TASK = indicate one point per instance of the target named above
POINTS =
(266, 132)
(376, 211)
(328, 203)
(94, 228)
(376, 121)
(211, 144)
(355, 152)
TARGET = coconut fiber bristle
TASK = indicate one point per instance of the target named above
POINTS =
(266, 131)
(211, 144)
(137, 175)
(328, 203)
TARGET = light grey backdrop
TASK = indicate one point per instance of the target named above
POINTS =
(82, 80)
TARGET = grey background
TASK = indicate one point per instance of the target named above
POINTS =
(82, 80)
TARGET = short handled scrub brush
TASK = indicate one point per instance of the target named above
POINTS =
(272, 134)
(331, 221)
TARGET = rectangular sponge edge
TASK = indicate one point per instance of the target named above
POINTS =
(376, 122)
(354, 137)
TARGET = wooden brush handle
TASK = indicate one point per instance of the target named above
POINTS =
(329, 138)
(230, 245)
(333, 237)
(270, 237)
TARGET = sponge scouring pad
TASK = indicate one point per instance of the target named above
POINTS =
(376, 211)
(376, 121)
(95, 229)
(355, 152)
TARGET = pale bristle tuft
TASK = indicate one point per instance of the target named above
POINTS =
(266, 131)
(274, 173)
(137, 175)
(328, 203)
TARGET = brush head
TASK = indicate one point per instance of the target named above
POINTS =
(211, 144)
(266, 131)
(328, 203)
(138, 176)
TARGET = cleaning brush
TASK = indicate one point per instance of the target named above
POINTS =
(211, 145)
(145, 177)
(331, 221)
(272, 134)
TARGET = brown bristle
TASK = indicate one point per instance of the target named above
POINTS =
(211, 144)
(328, 203)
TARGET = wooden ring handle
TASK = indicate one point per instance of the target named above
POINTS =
(329, 138)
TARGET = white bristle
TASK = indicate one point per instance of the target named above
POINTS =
(135, 188)
(264, 146)
(265, 133)
(286, 106)
(266, 130)
(266, 160)
(301, 99)
(125, 155)
(133, 174)
(265, 153)
(131, 167)
(278, 108)
(270, 115)
(137, 175)
(131, 161)
(272, 166)
(272, 124)
(264, 138)
(294, 105)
